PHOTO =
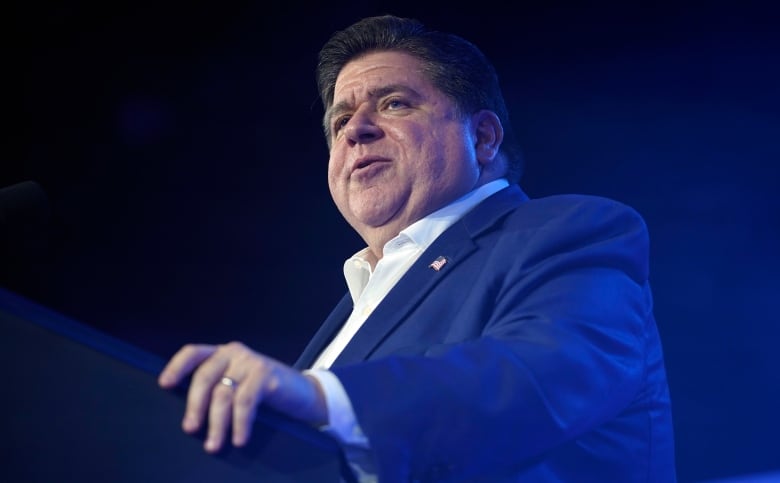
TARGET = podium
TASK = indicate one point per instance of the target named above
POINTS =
(81, 406)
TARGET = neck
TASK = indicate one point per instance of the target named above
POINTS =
(376, 238)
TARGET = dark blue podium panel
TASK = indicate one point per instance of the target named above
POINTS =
(81, 406)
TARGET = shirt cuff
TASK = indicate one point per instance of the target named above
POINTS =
(342, 423)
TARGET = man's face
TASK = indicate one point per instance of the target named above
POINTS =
(399, 148)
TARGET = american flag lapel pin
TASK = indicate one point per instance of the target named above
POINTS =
(438, 263)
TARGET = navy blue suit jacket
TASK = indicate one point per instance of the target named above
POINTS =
(531, 355)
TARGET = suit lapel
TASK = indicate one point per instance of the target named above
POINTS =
(325, 333)
(455, 244)
(405, 295)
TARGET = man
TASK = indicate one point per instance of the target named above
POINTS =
(485, 336)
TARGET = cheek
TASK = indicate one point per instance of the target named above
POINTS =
(453, 161)
(336, 181)
(332, 177)
(418, 146)
(335, 165)
(437, 150)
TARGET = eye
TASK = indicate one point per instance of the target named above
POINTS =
(395, 103)
(339, 123)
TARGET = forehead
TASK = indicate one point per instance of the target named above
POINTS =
(377, 69)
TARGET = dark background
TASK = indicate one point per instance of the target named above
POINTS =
(181, 153)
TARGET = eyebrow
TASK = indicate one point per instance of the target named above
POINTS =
(379, 92)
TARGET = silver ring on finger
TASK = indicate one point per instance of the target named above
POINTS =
(229, 382)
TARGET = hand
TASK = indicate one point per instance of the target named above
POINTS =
(258, 379)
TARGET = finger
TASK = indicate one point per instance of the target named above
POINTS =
(183, 362)
(220, 412)
(246, 399)
(201, 389)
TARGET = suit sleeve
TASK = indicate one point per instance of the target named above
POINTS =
(561, 350)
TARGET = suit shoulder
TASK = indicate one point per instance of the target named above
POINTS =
(577, 210)
(598, 229)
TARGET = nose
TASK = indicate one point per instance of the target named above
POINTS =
(361, 129)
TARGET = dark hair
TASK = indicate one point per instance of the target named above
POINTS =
(454, 65)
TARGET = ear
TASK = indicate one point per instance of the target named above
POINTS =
(488, 134)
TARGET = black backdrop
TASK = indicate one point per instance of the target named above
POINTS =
(180, 149)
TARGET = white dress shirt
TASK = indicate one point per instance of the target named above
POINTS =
(367, 289)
